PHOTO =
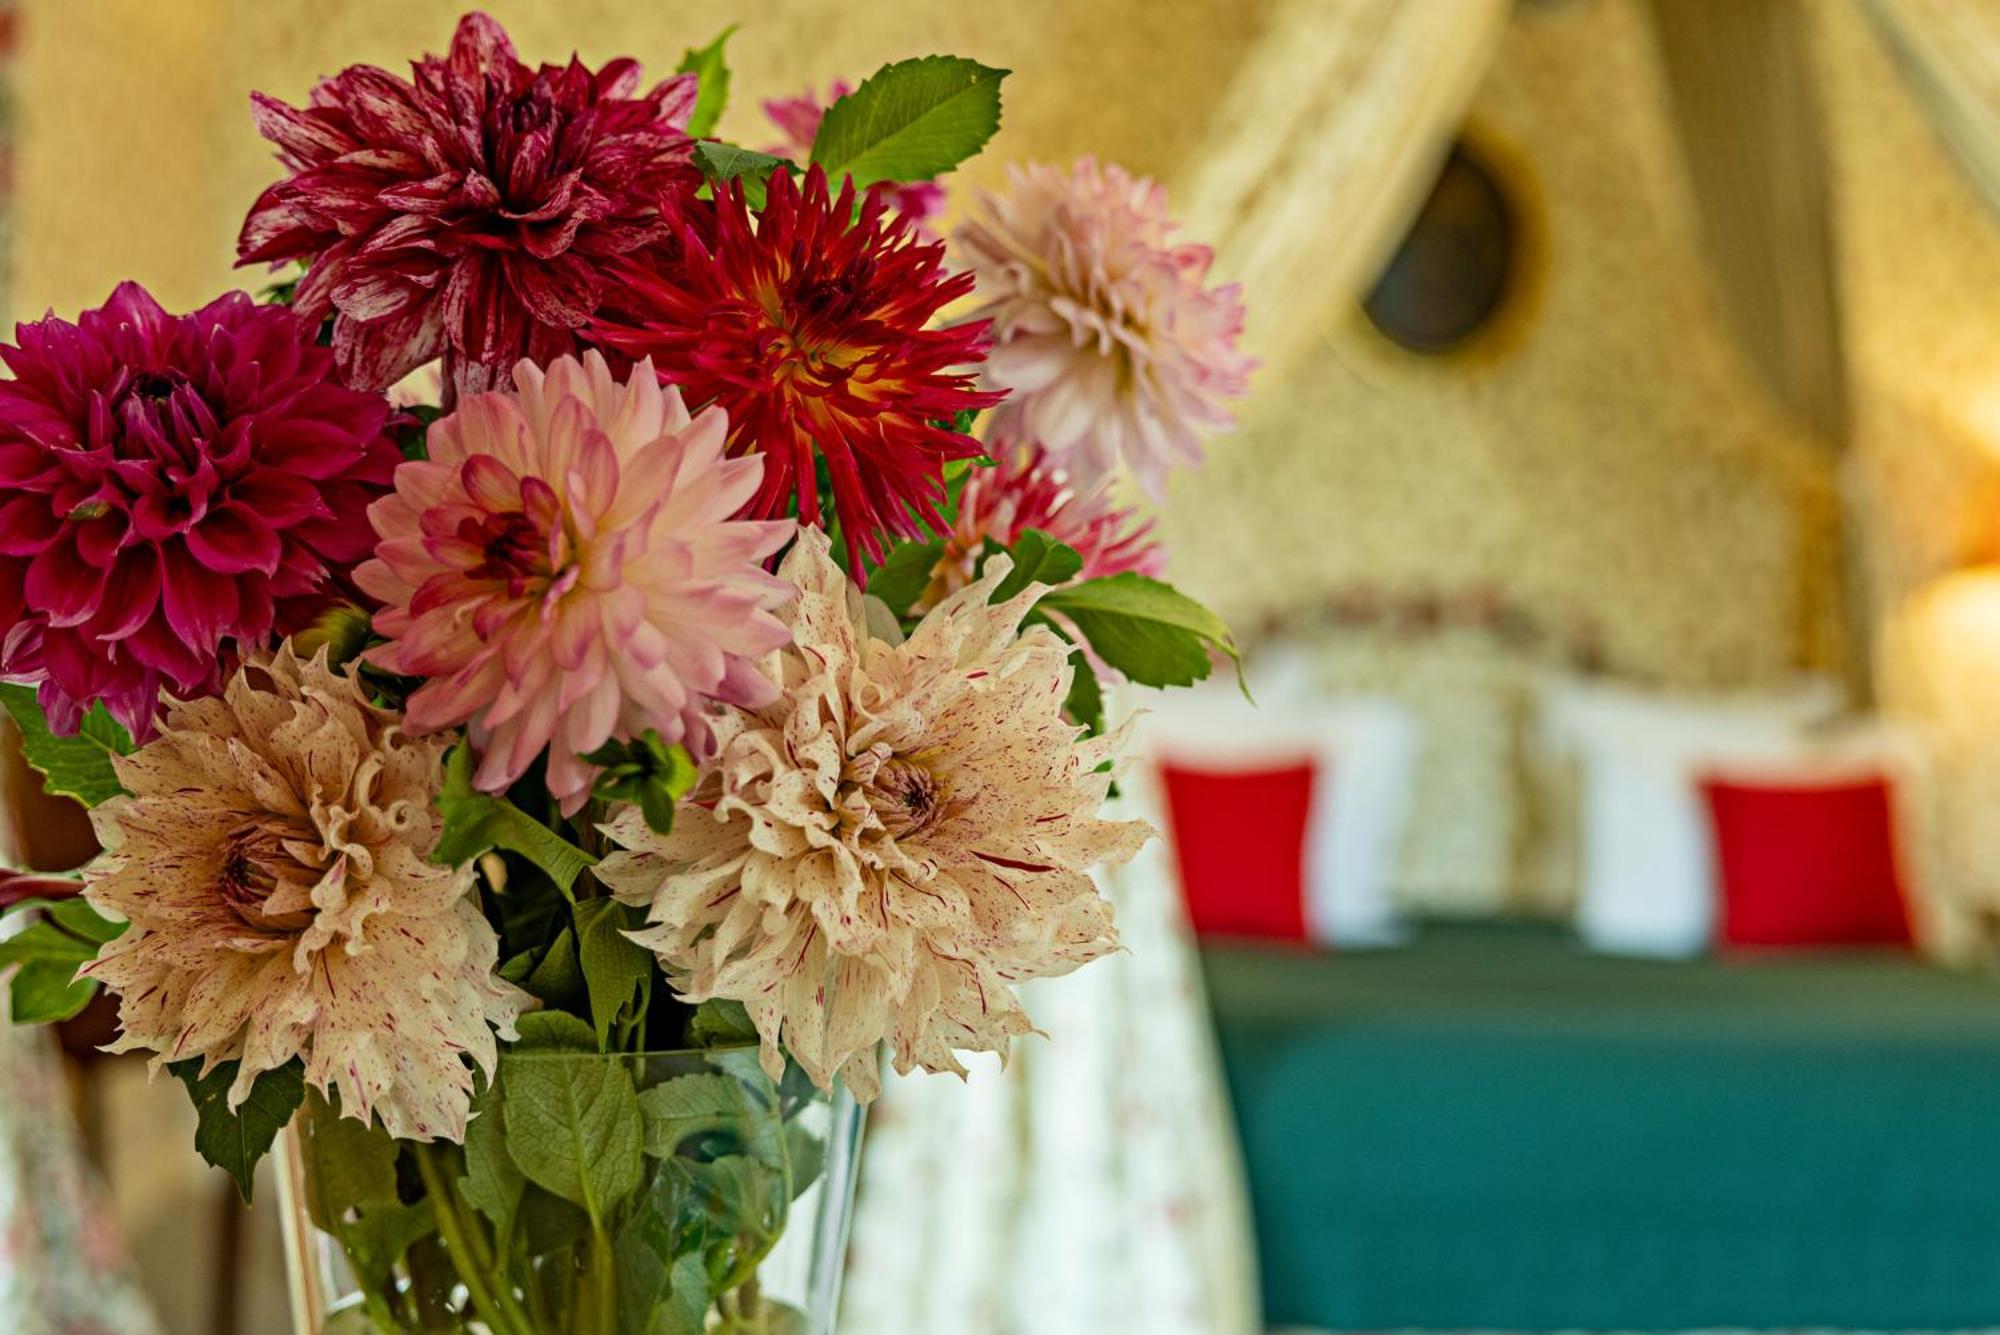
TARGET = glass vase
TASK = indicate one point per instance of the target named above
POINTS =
(595, 1194)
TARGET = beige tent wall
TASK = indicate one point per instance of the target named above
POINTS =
(138, 156)
(1608, 468)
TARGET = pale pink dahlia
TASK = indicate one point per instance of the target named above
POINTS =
(797, 120)
(172, 488)
(1028, 490)
(272, 860)
(1105, 331)
(470, 210)
(565, 568)
(879, 852)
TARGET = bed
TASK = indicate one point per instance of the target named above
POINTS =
(1492, 1129)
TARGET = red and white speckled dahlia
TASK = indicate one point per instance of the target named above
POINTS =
(172, 487)
(879, 853)
(272, 861)
(470, 211)
(567, 568)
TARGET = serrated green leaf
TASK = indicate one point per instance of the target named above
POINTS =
(492, 1182)
(1150, 631)
(1038, 559)
(235, 1141)
(615, 967)
(43, 992)
(722, 163)
(475, 822)
(910, 121)
(693, 1105)
(44, 987)
(557, 978)
(553, 1031)
(721, 1022)
(712, 83)
(573, 1128)
(1085, 703)
(78, 766)
(904, 574)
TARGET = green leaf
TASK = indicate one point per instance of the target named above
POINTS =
(910, 121)
(353, 1164)
(646, 771)
(721, 1022)
(615, 967)
(45, 988)
(574, 1129)
(1086, 698)
(722, 163)
(78, 766)
(712, 83)
(904, 574)
(235, 1141)
(806, 1155)
(553, 1031)
(492, 1182)
(659, 1293)
(1038, 559)
(43, 992)
(680, 1109)
(1149, 631)
(475, 822)
(350, 1191)
(557, 978)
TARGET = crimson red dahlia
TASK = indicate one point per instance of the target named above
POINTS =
(807, 325)
(469, 212)
(169, 483)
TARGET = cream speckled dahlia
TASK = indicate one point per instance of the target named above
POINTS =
(272, 862)
(876, 856)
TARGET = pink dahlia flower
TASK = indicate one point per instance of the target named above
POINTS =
(1028, 490)
(797, 120)
(468, 212)
(1105, 332)
(565, 569)
(170, 484)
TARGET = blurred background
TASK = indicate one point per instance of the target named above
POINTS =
(1592, 927)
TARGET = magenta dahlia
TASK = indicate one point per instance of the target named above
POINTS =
(808, 324)
(170, 484)
(469, 212)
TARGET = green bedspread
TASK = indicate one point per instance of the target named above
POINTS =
(1492, 1129)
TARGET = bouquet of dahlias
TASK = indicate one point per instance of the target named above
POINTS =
(553, 793)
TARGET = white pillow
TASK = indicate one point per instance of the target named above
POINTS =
(1648, 857)
(1364, 749)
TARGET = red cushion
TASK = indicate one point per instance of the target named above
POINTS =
(1240, 837)
(1806, 865)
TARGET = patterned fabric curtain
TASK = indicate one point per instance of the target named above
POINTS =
(1093, 1187)
(1325, 144)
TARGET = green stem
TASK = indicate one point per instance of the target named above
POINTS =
(602, 1282)
(495, 1301)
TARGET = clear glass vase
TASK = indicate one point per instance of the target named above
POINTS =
(596, 1194)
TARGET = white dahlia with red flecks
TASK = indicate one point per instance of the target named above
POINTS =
(272, 862)
(877, 855)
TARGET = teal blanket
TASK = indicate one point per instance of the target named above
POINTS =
(1494, 1130)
